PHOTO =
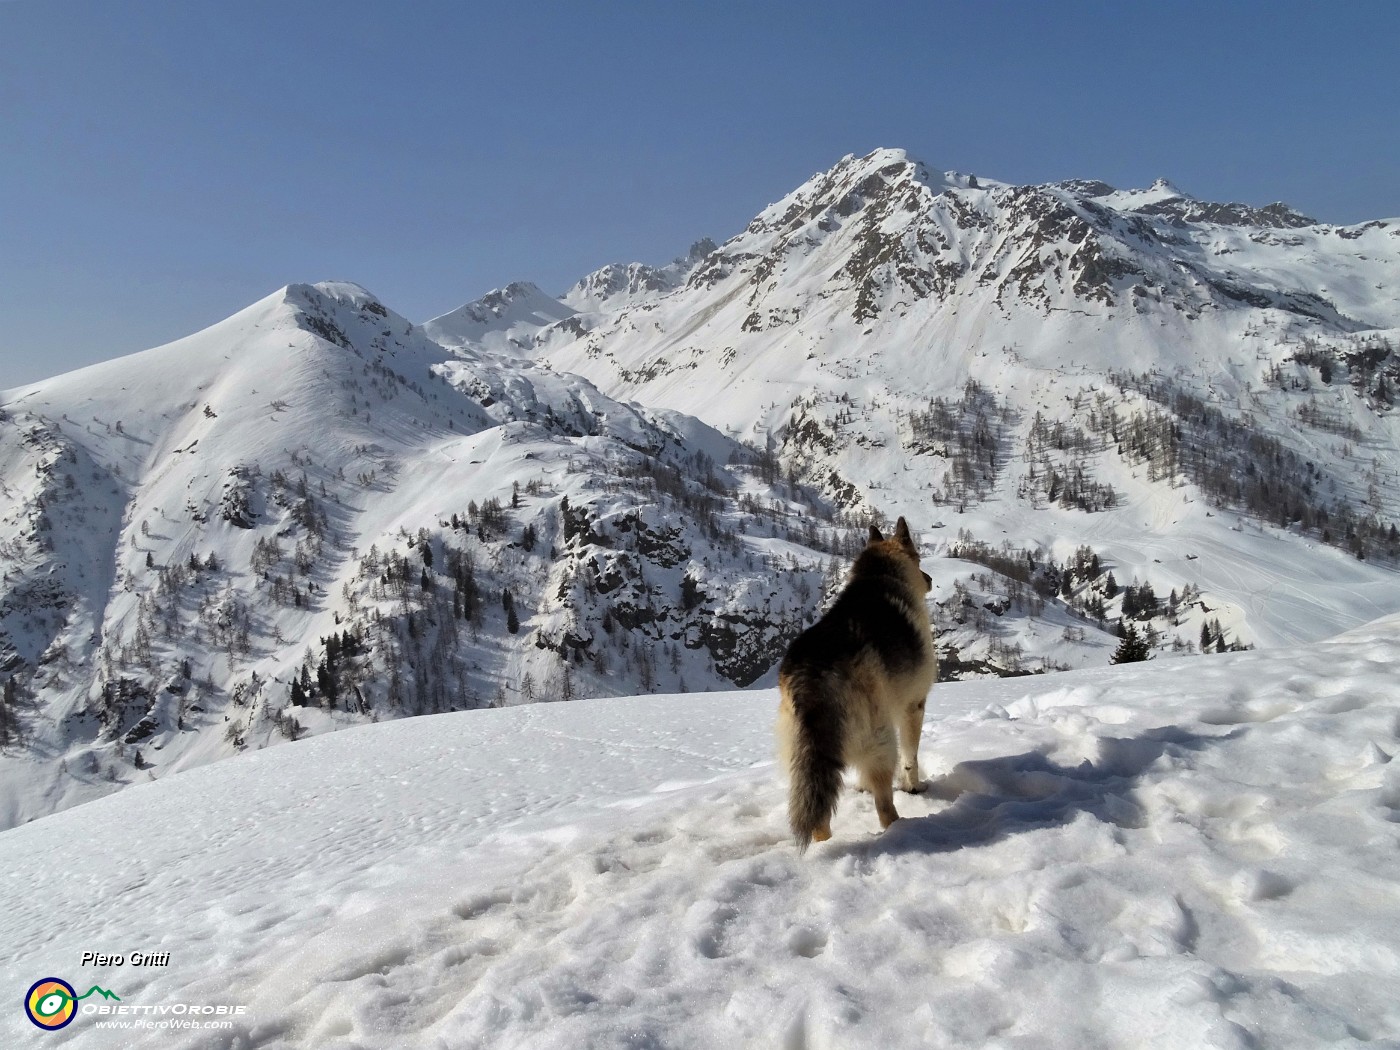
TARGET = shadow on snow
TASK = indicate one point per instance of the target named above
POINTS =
(994, 798)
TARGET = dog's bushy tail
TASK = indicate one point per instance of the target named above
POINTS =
(815, 760)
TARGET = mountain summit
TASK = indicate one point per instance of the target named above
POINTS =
(882, 252)
(498, 319)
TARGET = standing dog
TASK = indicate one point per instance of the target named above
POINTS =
(850, 679)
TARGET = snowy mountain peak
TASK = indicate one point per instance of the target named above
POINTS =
(887, 160)
(346, 292)
(1164, 199)
(880, 238)
(517, 291)
(328, 298)
(847, 188)
(620, 285)
(698, 251)
(615, 285)
(1187, 209)
(502, 319)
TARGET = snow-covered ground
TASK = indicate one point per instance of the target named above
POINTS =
(1189, 853)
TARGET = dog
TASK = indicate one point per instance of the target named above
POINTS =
(849, 680)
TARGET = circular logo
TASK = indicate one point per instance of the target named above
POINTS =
(51, 1003)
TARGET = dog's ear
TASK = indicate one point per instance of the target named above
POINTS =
(901, 533)
(875, 536)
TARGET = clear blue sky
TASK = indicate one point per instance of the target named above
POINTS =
(163, 163)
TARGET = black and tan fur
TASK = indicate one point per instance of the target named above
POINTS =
(848, 681)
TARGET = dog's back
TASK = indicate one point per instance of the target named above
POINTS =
(849, 678)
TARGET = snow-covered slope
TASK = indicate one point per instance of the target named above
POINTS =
(312, 516)
(1189, 853)
(1200, 392)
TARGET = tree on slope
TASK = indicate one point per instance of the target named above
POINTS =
(1132, 649)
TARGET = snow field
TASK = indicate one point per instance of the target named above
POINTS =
(1195, 853)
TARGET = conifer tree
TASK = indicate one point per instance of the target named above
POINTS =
(1132, 649)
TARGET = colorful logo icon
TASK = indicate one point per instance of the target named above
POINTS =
(52, 1003)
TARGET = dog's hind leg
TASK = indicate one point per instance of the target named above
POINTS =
(877, 775)
(911, 725)
(882, 787)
